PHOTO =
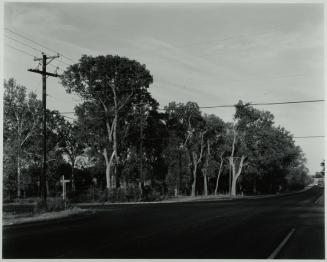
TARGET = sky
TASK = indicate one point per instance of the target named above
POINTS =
(212, 54)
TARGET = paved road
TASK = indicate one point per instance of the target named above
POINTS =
(251, 228)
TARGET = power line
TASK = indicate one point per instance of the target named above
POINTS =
(29, 54)
(20, 50)
(217, 41)
(22, 43)
(43, 46)
(308, 136)
(256, 104)
(270, 103)
(63, 62)
(38, 50)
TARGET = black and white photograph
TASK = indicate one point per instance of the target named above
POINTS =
(163, 130)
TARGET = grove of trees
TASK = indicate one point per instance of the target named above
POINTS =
(122, 146)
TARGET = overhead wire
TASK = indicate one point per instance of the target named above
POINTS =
(308, 136)
(258, 104)
(22, 43)
(41, 45)
(269, 103)
(20, 50)
(204, 107)
(30, 54)
(38, 50)
(217, 41)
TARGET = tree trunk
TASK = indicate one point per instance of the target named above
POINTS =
(194, 181)
(205, 170)
(108, 167)
(233, 189)
(47, 187)
(115, 147)
(235, 175)
(205, 182)
(195, 167)
(118, 175)
(218, 177)
(18, 175)
(73, 179)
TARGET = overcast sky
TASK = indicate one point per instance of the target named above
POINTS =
(213, 54)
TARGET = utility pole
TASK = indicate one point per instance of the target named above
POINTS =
(44, 73)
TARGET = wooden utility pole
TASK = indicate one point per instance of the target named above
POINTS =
(44, 73)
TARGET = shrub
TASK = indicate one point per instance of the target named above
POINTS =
(133, 194)
(53, 204)
(129, 194)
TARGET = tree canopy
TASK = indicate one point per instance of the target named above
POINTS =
(123, 145)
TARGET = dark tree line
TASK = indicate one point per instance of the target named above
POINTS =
(122, 144)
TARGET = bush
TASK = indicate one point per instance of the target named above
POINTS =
(53, 204)
(129, 194)
(124, 195)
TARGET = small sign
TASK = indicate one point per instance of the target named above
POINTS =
(64, 181)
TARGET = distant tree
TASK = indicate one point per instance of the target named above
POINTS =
(322, 164)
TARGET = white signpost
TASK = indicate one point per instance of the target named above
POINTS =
(63, 181)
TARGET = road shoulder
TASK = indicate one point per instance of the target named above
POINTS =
(47, 216)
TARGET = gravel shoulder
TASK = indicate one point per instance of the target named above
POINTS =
(14, 219)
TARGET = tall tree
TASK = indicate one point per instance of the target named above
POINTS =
(71, 145)
(107, 84)
(190, 128)
(214, 127)
(235, 163)
(246, 133)
(21, 118)
(34, 146)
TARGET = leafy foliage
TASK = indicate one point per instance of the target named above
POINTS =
(119, 131)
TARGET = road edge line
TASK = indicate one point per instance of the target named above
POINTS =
(281, 245)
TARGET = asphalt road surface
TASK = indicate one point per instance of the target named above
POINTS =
(290, 227)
